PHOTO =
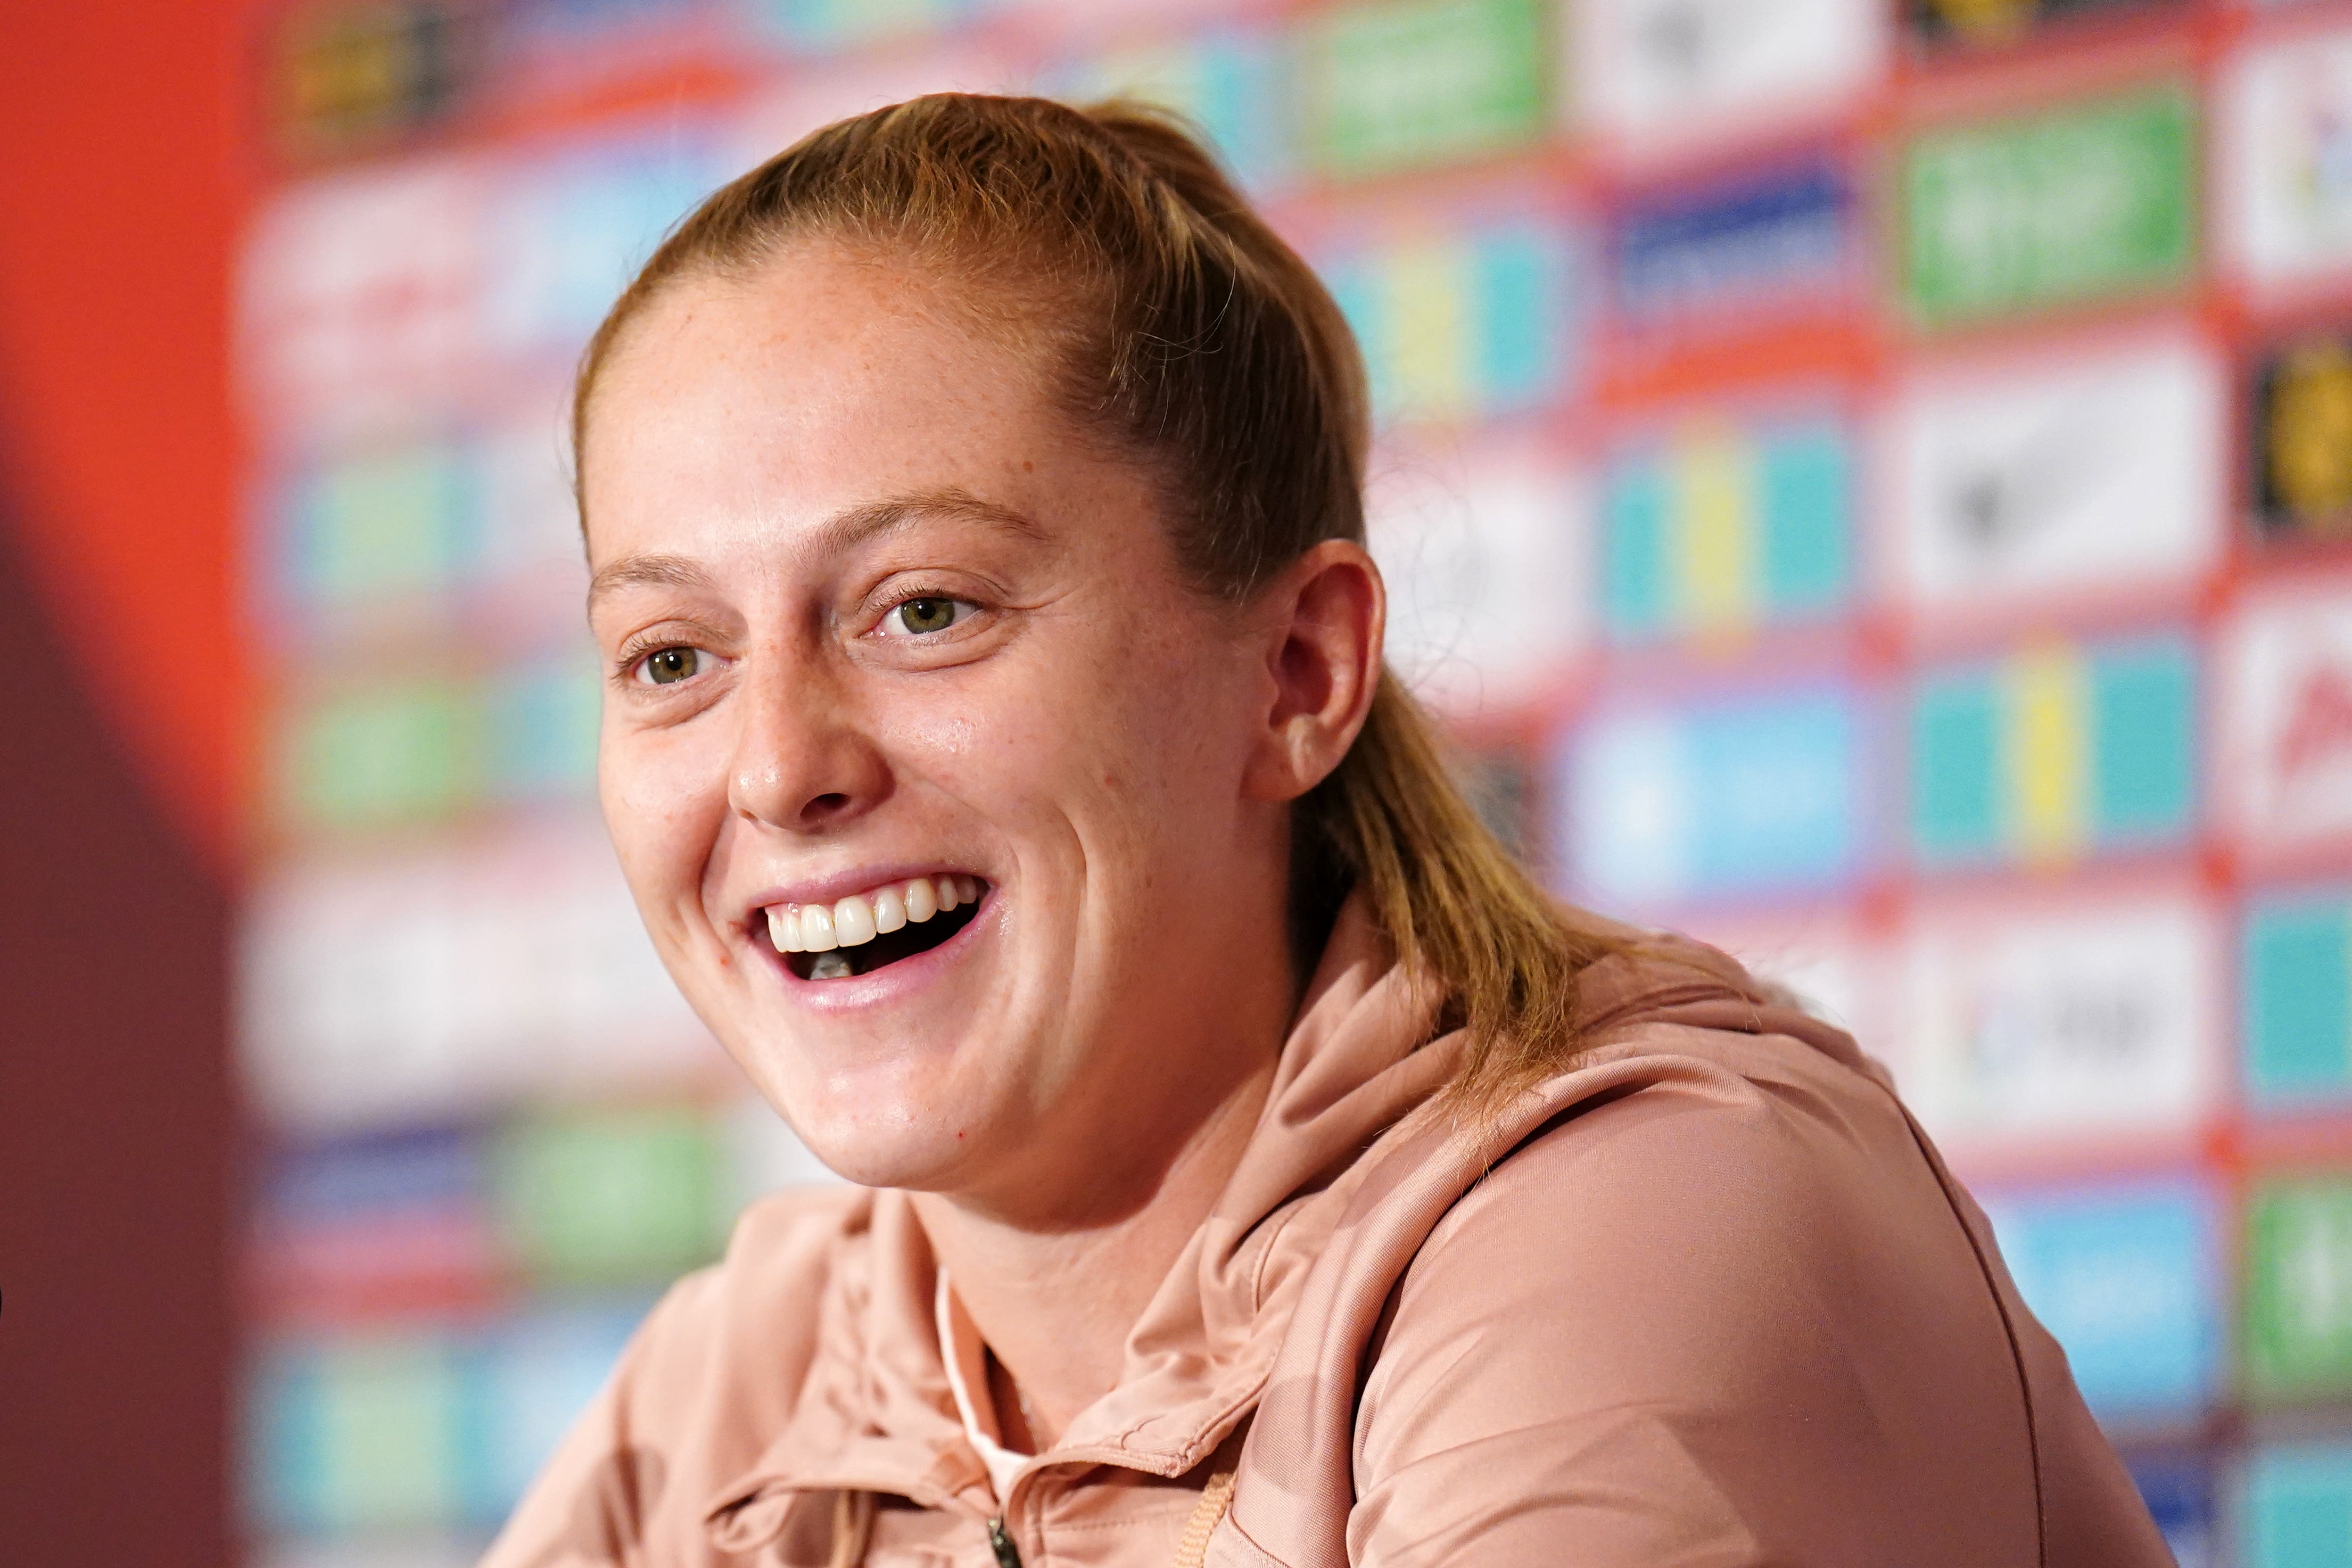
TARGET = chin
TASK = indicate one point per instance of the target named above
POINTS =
(914, 1164)
(902, 1123)
(909, 1153)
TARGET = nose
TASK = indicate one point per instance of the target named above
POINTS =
(803, 761)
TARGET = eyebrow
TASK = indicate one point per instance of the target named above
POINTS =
(843, 531)
(647, 571)
(862, 522)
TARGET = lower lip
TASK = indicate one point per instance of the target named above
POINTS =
(888, 984)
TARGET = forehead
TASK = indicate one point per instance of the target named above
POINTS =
(812, 386)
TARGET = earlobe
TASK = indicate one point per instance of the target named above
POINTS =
(1326, 617)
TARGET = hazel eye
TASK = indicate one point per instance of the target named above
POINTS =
(668, 666)
(923, 616)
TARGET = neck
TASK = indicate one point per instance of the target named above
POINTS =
(1055, 1303)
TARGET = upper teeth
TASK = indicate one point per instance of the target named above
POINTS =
(861, 917)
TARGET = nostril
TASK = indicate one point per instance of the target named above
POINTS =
(832, 804)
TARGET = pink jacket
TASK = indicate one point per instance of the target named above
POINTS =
(1710, 1298)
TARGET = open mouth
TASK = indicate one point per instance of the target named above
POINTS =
(866, 931)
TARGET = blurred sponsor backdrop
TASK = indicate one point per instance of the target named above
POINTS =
(1869, 484)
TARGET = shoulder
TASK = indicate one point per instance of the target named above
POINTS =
(711, 1376)
(1689, 1173)
(1696, 1077)
(1721, 1294)
(752, 1320)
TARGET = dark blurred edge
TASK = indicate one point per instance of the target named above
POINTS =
(116, 1138)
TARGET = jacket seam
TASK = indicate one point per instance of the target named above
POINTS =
(1266, 1256)
(2009, 1332)
(1264, 1559)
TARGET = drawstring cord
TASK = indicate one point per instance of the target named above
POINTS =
(853, 1527)
(1193, 1550)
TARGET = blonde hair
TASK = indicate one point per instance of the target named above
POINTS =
(1175, 322)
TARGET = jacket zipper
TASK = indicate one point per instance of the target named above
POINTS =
(1001, 1542)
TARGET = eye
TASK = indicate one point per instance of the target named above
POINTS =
(924, 615)
(668, 666)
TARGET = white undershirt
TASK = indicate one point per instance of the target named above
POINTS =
(966, 1359)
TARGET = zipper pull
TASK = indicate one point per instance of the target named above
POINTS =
(1001, 1542)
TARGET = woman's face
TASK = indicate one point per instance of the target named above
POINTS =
(882, 629)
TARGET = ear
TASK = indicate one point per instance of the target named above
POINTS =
(1323, 618)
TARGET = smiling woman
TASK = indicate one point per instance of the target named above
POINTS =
(1253, 1165)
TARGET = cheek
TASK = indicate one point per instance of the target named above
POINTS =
(663, 800)
(1147, 743)
(1186, 704)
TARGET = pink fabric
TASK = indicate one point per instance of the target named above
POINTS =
(1709, 1299)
